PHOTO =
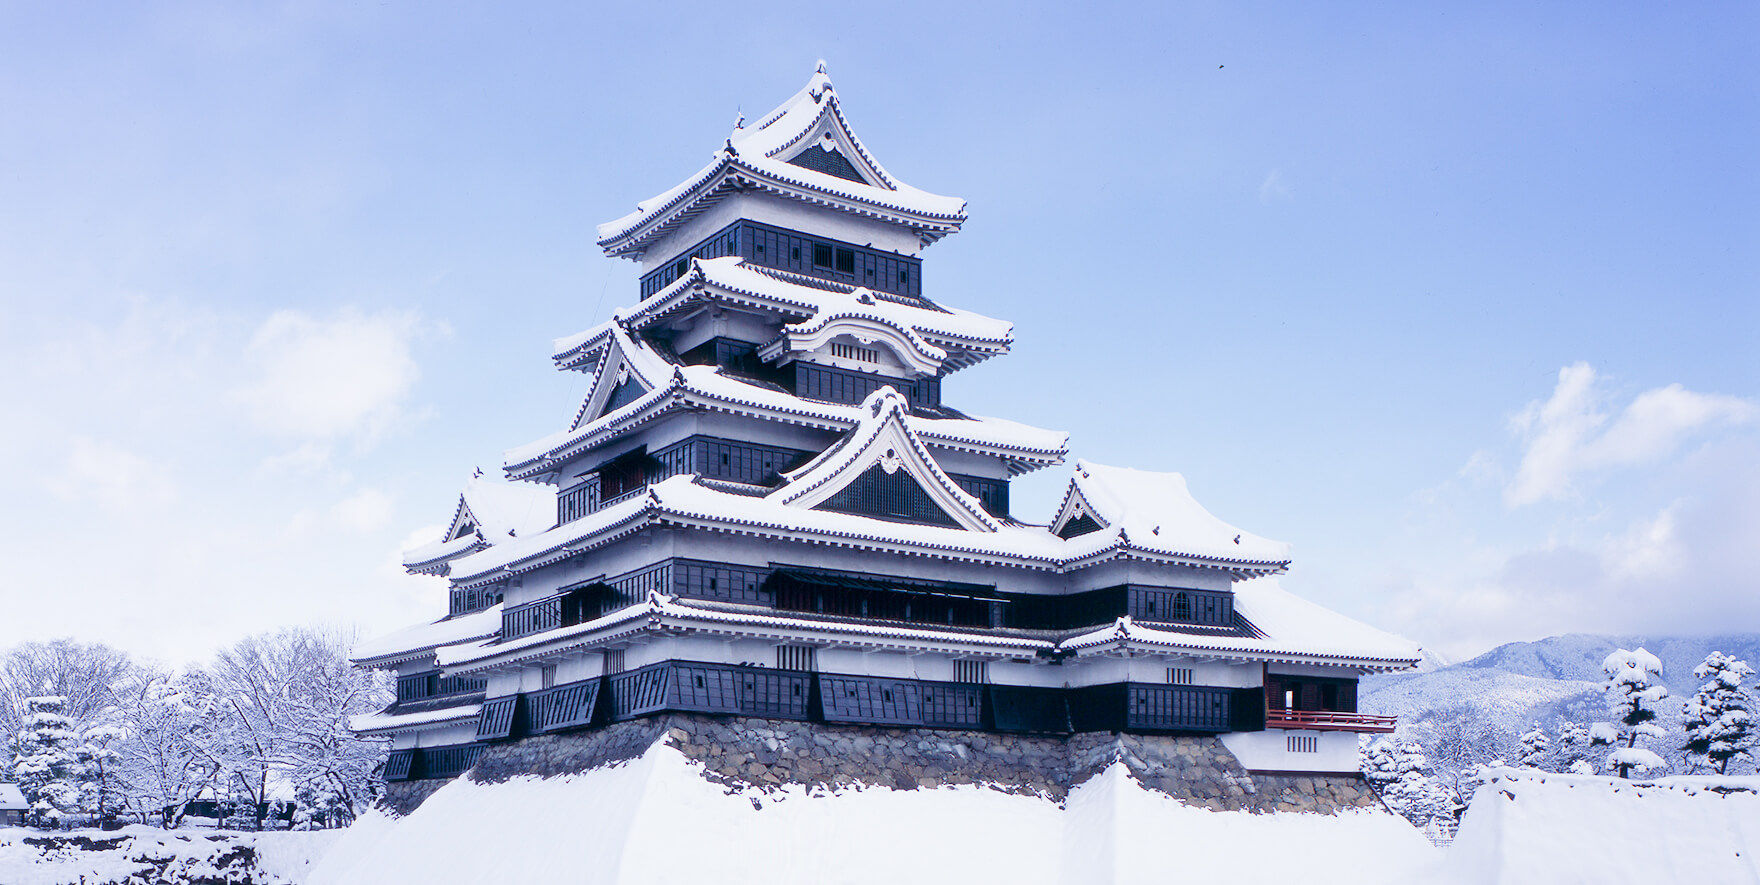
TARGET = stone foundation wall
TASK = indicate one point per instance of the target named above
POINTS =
(768, 754)
(402, 797)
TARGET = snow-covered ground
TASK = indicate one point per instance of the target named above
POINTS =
(1531, 827)
(147, 854)
(656, 820)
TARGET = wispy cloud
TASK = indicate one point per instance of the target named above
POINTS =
(1569, 434)
(1272, 188)
(345, 376)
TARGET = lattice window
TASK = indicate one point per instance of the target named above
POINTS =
(1179, 675)
(972, 672)
(1303, 743)
(613, 661)
(852, 352)
(547, 676)
(797, 657)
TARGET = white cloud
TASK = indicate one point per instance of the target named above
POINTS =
(112, 476)
(1569, 435)
(324, 379)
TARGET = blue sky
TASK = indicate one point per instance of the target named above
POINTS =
(1459, 299)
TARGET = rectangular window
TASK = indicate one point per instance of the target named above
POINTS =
(797, 657)
(547, 676)
(971, 672)
(846, 261)
(1303, 743)
(613, 661)
(821, 255)
(1179, 675)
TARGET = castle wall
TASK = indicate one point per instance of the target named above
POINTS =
(768, 753)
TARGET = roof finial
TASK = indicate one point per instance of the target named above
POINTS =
(821, 68)
(739, 118)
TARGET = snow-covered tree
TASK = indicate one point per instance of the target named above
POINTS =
(102, 792)
(1719, 719)
(1570, 747)
(47, 765)
(1634, 689)
(1379, 766)
(1536, 747)
(171, 754)
(285, 701)
(84, 674)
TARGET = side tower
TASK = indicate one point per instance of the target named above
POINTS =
(764, 508)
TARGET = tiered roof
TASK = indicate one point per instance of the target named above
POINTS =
(609, 351)
(758, 158)
(488, 512)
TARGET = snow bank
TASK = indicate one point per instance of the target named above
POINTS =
(147, 854)
(656, 820)
(1530, 827)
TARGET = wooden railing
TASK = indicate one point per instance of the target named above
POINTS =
(532, 617)
(1328, 720)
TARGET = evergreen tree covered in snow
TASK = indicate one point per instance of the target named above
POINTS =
(1380, 768)
(1720, 716)
(1571, 748)
(1536, 747)
(101, 794)
(1401, 774)
(1634, 689)
(47, 766)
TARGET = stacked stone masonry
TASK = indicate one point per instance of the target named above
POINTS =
(766, 754)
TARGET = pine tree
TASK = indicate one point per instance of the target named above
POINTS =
(1634, 689)
(1380, 768)
(47, 765)
(1571, 746)
(1535, 748)
(1720, 717)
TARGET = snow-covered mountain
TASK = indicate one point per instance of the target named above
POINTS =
(1503, 691)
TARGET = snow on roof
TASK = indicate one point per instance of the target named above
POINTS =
(1157, 511)
(11, 799)
(731, 275)
(1298, 631)
(422, 638)
(682, 501)
(758, 155)
(370, 723)
(669, 613)
(510, 509)
(706, 387)
(423, 557)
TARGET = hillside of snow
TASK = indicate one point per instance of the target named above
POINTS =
(1501, 693)
(655, 820)
(136, 855)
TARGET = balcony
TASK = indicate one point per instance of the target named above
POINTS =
(1328, 720)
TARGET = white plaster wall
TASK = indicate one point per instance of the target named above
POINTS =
(722, 323)
(462, 733)
(1269, 751)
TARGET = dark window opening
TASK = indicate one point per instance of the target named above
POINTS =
(846, 261)
(821, 255)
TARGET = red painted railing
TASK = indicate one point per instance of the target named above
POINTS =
(1327, 720)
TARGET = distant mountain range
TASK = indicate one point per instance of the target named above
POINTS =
(1502, 692)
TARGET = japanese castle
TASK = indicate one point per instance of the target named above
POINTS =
(764, 508)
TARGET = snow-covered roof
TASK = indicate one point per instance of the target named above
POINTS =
(1156, 511)
(681, 501)
(816, 309)
(756, 157)
(672, 387)
(11, 798)
(663, 613)
(386, 723)
(489, 511)
(1294, 629)
(885, 437)
(422, 639)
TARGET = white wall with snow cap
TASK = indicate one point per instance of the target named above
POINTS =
(1269, 750)
(1527, 826)
(656, 821)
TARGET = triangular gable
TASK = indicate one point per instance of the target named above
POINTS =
(464, 522)
(883, 456)
(809, 130)
(1076, 517)
(618, 380)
